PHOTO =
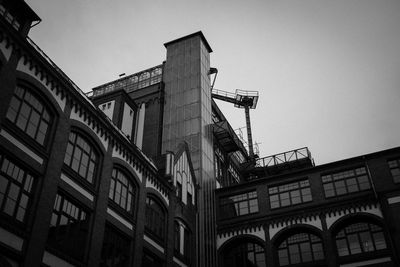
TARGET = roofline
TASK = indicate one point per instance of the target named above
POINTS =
(199, 33)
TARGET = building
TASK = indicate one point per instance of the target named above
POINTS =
(147, 171)
(343, 213)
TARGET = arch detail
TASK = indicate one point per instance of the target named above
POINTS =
(256, 232)
(118, 154)
(45, 80)
(150, 184)
(335, 216)
(313, 221)
(75, 115)
(5, 49)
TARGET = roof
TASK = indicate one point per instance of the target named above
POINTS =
(199, 33)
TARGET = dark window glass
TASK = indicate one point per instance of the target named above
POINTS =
(115, 251)
(81, 157)
(150, 260)
(182, 244)
(29, 114)
(360, 238)
(345, 182)
(15, 189)
(289, 194)
(155, 218)
(238, 205)
(177, 236)
(394, 166)
(300, 248)
(122, 191)
(69, 228)
(245, 255)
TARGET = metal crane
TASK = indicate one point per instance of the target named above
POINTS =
(241, 99)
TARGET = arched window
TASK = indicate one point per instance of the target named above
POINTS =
(122, 190)
(360, 237)
(300, 248)
(29, 114)
(244, 254)
(155, 218)
(81, 157)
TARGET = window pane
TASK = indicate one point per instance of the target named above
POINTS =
(379, 240)
(283, 257)
(342, 247)
(294, 254)
(329, 190)
(354, 244)
(80, 156)
(340, 188)
(318, 252)
(285, 201)
(274, 200)
(366, 242)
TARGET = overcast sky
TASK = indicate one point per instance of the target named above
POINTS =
(328, 72)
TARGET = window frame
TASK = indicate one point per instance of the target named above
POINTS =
(226, 202)
(150, 227)
(44, 148)
(343, 179)
(298, 244)
(59, 203)
(241, 247)
(394, 164)
(276, 193)
(117, 234)
(361, 244)
(28, 186)
(186, 256)
(129, 214)
(94, 149)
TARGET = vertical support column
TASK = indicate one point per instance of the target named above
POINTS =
(249, 135)
(328, 243)
(187, 117)
(40, 226)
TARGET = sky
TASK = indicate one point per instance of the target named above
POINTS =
(327, 72)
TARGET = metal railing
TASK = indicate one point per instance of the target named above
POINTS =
(285, 157)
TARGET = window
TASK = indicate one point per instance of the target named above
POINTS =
(69, 228)
(219, 167)
(122, 192)
(345, 182)
(116, 248)
(394, 166)
(144, 79)
(155, 218)
(29, 114)
(182, 241)
(290, 194)
(233, 176)
(150, 260)
(300, 248)
(15, 189)
(360, 237)
(179, 190)
(81, 157)
(9, 17)
(245, 254)
(238, 205)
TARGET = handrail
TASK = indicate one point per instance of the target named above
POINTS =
(285, 157)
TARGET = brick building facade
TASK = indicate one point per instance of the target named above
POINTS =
(147, 171)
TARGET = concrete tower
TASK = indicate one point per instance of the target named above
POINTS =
(187, 116)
